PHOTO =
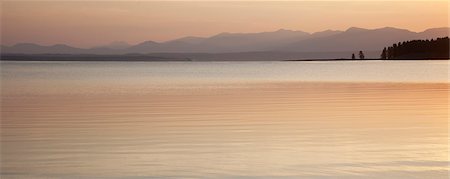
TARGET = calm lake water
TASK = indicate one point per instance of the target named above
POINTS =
(319, 120)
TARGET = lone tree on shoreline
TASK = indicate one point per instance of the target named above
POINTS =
(361, 55)
(353, 56)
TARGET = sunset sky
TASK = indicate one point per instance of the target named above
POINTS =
(88, 24)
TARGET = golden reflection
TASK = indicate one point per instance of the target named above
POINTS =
(270, 129)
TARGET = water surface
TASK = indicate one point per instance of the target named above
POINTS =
(371, 119)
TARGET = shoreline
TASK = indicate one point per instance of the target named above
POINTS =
(157, 58)
(163, 60)
(371, 59)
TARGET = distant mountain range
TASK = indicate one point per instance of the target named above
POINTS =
(351, 40)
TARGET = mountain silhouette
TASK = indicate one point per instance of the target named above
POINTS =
(353, 39)
(30, 48)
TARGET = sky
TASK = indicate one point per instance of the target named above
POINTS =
(88, 24)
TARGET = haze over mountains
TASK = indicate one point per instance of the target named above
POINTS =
(280, 41)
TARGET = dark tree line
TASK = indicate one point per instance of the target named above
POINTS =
(418, 49)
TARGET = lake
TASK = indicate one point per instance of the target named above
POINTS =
(315, 120)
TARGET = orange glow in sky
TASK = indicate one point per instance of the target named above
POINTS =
(87, 24)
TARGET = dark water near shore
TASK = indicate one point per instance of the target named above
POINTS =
(372, 119)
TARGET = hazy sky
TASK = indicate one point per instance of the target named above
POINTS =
(87, 24)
